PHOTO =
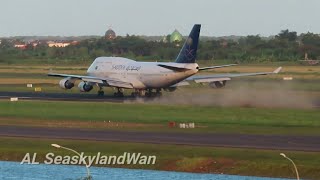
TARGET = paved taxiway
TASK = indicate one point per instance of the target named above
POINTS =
(275, 142)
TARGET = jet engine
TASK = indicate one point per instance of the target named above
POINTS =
(66, 83)
(85, 87)
(217, 84)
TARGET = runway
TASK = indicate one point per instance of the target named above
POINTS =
(63, 97)
(43, 96)
(272, 142)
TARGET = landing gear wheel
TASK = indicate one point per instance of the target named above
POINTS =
(134, 94)
(158, 94)
(100, 93)
(142, 93)
(118, 94)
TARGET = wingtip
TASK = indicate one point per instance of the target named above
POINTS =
(277, 70)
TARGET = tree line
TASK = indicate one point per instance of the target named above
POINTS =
(286, 46)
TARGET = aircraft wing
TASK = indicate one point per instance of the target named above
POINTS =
(106, 81)
(226, 77)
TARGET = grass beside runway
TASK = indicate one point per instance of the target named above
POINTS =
(176, 158)
(211, 119)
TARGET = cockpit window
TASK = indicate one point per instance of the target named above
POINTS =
(96, 68)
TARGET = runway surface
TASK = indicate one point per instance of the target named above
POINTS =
(274, 142)
(62, 97)
(82, 97)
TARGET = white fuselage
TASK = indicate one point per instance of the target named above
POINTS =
(142, 75)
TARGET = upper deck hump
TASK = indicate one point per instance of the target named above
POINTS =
(113, 59)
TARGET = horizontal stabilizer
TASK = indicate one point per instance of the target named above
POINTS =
(174, 68)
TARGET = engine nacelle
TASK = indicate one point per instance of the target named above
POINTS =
(85, 87)
(66, 83)
(217, 84)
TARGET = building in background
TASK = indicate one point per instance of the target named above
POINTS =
(110, 34)
(176, 37)
(20, 46)
(58, 44)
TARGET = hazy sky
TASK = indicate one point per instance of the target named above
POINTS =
(157, 17)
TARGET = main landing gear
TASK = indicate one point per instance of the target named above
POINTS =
(100, 92)
(147, 93)
(150, 93)
(119, 93)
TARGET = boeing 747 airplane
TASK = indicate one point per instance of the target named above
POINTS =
(149, 78)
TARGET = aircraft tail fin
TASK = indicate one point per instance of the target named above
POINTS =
(188, 53)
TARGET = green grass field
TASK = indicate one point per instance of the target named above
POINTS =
(213, 119)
